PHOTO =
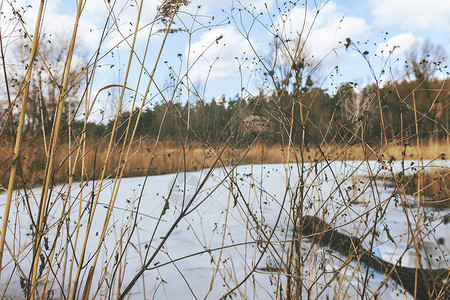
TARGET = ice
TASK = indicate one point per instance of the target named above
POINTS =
(222, 237)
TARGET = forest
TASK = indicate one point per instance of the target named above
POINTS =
(351, 115)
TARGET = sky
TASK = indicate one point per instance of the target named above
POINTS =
(235, 63)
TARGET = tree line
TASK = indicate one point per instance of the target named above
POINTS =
(396, 113)
(294, 109)
(351, 115)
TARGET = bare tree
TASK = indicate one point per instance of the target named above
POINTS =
(424, 61)
(45, 80)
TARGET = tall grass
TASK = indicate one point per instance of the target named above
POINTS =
(19, 132)
(168, 157)
(66, 186)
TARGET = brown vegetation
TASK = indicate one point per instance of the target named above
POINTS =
(171, 157)
(48, 136)
(430, 186)
(430, 284)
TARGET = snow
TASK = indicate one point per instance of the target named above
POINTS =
(220, 239)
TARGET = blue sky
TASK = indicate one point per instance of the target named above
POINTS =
(223, 67)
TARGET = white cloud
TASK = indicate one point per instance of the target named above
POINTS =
(399, 45)
(125, 21)
(324, 35)
(212, 6)
(326, 32)
(329, 37)
(57, 22)
(412, 14)
(257, 5)
(220, 55)
(59, 18)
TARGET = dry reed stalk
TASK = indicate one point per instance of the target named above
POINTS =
(53, 145)
(120, 171)
(19, 130)
(104, 168)
(169, 232)
(219, 260)
(416, 245)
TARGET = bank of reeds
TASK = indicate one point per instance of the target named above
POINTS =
(429, 186)
(171, 157)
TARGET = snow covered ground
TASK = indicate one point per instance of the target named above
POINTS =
(221, 241)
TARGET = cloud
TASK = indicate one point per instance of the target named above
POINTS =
(125, 18)
(217, 56)
(324, 35)
(399, 45)
(334, 33)
(59, 18)
(211, 6)
(58, 21)
(412, 14)
(323, 32)
(257, 5)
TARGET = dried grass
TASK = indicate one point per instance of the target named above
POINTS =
(168, 157)
(47, 159)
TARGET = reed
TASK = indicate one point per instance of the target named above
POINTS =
(70, 231)
(16, 154)
(167, 157)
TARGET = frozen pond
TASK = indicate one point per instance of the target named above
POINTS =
(235, 233)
